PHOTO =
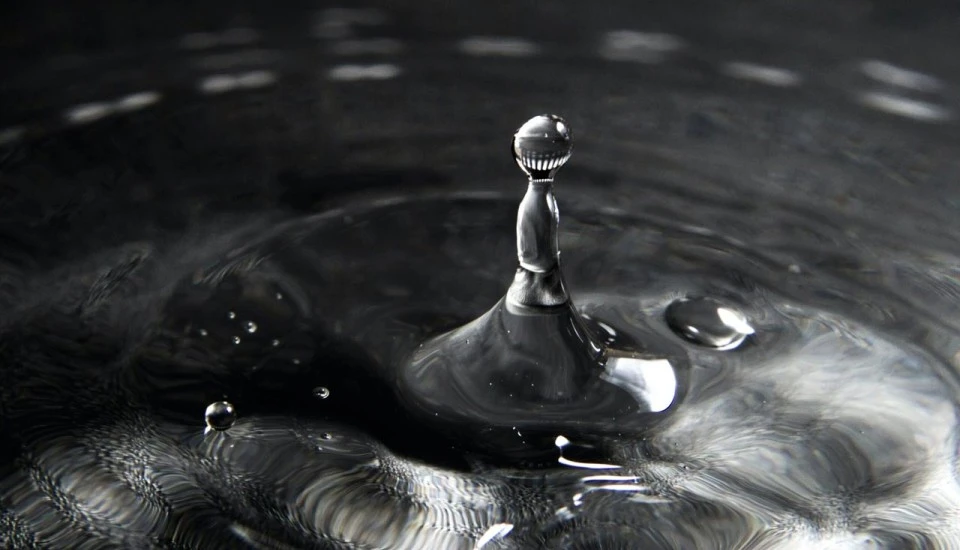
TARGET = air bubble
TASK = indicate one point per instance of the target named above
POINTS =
(220, 416)
(231, 315)
(236, 339)
(708, 322)
(251, 327)
(321, 392)
(275, 343)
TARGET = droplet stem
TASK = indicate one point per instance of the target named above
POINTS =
(538, 225)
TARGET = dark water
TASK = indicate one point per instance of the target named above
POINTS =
(271, 230)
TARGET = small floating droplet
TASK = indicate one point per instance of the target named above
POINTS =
(251, 327)
(220, 416)
(231, 315)
(708, 322)
(236, 339)
(321, 392)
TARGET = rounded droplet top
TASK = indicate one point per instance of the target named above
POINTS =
(542, 145)
(220, 416)
(708, 322)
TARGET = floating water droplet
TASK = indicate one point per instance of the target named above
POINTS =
(275, 343)
(708, 322)
(236, 339)
(231, 315)
(321, 392)
(220, 416)
(251, 327)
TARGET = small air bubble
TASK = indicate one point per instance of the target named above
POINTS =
(321, 392)
(220, 416)
(279, 296)
(251, 327)
(708, 322)
(231, 315)
(325, 436)
(203, 332)
(236, 339)
(275, 343)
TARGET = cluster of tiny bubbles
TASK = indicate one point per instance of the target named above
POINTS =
(220, 416)
(321, 392)
(708, 322)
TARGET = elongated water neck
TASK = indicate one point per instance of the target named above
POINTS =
(540, 148)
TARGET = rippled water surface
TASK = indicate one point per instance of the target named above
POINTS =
(226, 233)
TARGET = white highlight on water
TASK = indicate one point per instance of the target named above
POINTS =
(349, 73)
(91, 112)
(735, 320)
(763, 74)
(503, 46)
(496, 531)
(905, 107)
(562, 442)
(639, 47)
(606, 478)
(221, 83)
(88, 112)
(587, 465)
(898, 76)
(137, 101)
(649, 381)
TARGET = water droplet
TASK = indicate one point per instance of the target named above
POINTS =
(251, 327)
(231, 315)
(220, 415)
(275, 343)
(542, 145)
(321, 392)
(203, 332)
(708, 322)
(236, 339)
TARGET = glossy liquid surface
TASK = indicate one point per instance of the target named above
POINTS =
(278, 221)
